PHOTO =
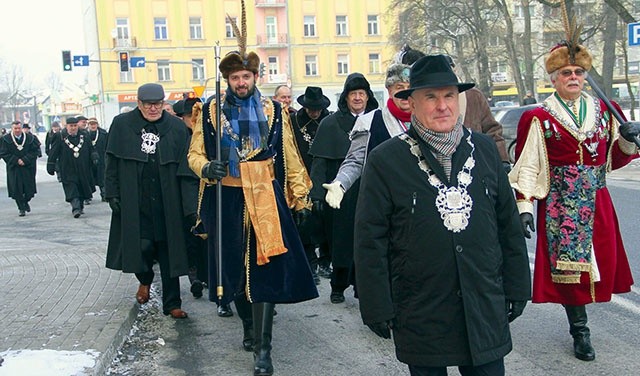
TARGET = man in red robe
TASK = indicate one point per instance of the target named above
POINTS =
(564, 150)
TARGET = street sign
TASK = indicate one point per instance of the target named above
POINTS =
(137, 61)
(198, 90)
(81, 61)
(634, 34)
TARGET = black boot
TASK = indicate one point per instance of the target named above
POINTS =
(244, 311)
(582, 348)
(21, 208)
(263, 323)
(76, 207)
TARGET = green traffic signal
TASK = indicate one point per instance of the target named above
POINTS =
(66, 60)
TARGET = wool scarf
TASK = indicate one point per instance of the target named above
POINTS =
(404, 117)
(442, 145)
(249, 128)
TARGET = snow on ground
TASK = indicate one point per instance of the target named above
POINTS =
(47, 362)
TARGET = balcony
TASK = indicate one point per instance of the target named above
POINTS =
(125, 44)
(272, 41)
(270, 3)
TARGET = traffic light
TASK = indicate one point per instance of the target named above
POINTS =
(66, 61)
(124, 61)
(261, 69)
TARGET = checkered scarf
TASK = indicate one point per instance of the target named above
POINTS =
(442, 145)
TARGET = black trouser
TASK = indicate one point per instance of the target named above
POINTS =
(325, 255)
(170, 285)
(76, 204)
(339, 279)
(495, 368)
(197, 254)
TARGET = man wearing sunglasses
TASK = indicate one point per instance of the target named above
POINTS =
(564, 150)
(146, 146)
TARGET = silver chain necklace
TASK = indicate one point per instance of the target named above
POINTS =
(454, 203)
(75, 148)
(21, 145)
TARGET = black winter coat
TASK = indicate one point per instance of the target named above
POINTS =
(445, 290)
(124, 164)
(21, 180)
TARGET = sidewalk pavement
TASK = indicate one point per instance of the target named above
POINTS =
(56, 292)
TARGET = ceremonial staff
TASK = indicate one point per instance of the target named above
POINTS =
(219, 288)
(610, 106)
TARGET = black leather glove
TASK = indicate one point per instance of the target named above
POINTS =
(630, 130)
(214, 170)
(191, 219)
(382, 329)
(51, 169)
(301, 216)
(95, 158)
(526, 220)
(507, 166)
(515, 308)
(114, 204)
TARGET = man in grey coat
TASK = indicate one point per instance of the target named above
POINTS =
(440, 255)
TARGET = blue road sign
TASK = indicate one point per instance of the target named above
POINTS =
(81, 61)
(137, 61)
(634, 34)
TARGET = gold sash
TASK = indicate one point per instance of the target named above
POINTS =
(260, 200)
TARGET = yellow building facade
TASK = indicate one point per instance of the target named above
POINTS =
(300, 42)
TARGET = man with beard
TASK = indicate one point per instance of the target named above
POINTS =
(371, 130)
(262, 178)
(329, 150)
(99, 137)
(20, 152)
(145, 149)
(72, 148)
(305, 124)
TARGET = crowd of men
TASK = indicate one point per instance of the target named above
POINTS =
(411, 203)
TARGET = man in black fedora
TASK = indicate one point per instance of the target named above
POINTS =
(305, 124)
(440, 257)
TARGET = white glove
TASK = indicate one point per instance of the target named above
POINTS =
(334, 194)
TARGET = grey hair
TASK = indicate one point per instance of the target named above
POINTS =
(397, 73)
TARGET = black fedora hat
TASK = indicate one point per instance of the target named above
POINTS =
(432, 71)
(313, 99)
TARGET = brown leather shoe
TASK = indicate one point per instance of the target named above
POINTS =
(142, 296)
(177, 313)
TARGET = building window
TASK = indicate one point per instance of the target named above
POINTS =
(311, 65)
(272, 30)
(228, 33)
(435, 43)
(164, 70)
(495, 41)
(160, 28)
(273, 64)
(519, 10)
(122, 28)
(309, 26)
(126, 77)
(374, 63)
(343, 64)
(372, 24)
(195, 27)
(341, 26)
(197, 71)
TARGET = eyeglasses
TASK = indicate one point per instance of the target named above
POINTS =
(148, 105)
(568, 72)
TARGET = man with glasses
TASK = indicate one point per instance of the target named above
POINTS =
(145, 149)
(564, 149)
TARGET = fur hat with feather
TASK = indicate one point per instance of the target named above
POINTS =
(239, 60)
(569, 51)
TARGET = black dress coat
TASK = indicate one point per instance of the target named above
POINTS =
(124, 163)
(100, 145)
(75, 172)
(445, 290)
(21, 180)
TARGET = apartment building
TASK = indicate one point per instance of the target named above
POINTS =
(300, 43)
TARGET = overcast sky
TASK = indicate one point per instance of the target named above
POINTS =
(34, 32)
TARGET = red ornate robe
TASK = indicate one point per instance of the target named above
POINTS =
(553, 145)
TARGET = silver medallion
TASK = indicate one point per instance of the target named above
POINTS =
(76, 154)
(149, 141)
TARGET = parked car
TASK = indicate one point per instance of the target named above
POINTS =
(509, 118)
(505, 104)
